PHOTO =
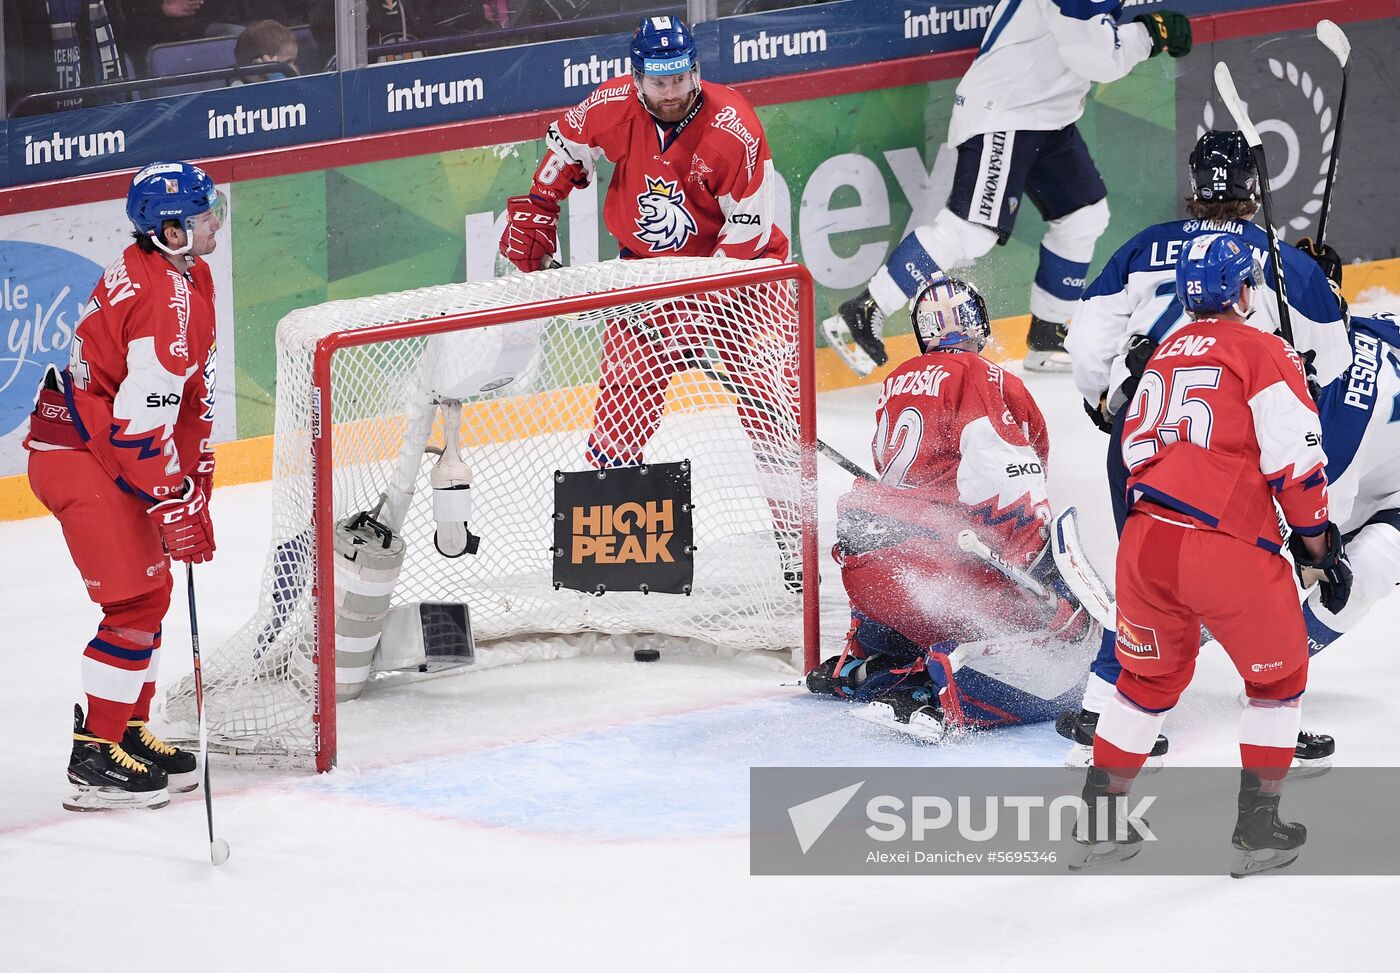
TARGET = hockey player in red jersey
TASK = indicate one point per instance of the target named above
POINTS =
(693, 177)
(938, 636)
(120, 454)
(1220, 428)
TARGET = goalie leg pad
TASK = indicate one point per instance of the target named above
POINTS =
(368, 559)
(1083, 581)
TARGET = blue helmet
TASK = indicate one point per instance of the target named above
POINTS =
(1211, 270)
(169, 191)
(948, 315)
(662, 46)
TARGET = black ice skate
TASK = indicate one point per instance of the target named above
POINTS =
(179, 765)
(913, 711)
(105, 777)
(1079, 729)
(1045, 346)
(1312, 757)
(861, 321)
(1108, 833)
(1262, 842)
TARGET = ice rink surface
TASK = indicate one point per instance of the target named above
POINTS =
(591, 813)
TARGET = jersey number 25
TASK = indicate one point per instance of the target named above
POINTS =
(1168, 410)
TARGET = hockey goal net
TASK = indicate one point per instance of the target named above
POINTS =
(704, 360)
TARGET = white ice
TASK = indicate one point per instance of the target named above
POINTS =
(591, 813)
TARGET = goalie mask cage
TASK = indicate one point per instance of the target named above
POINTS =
(722, 348)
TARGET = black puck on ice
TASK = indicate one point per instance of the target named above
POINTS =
(646, 655)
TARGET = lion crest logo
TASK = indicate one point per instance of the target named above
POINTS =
(665, 223)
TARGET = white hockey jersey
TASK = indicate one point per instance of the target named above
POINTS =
(1037, 61)
(1135, 294)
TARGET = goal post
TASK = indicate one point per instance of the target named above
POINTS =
(716, 358)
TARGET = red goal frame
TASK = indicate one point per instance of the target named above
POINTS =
(323, 584)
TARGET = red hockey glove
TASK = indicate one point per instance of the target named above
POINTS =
(184, 525)
(204, 474)
(532, 231)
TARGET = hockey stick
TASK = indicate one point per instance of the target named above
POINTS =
(839, 458)
(218, 847)
(1335, 41)
(1226, 85)
(974, 545)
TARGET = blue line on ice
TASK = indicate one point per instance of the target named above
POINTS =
(685, 776)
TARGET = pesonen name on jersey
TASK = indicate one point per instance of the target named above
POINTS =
(1361, 378)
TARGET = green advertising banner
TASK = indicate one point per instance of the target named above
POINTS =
(856, 172)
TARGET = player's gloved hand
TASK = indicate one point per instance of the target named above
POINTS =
(1168, 31)
(184, 525)
(1332, 571)
(1327, 258)
(532, 231)
(204, 474)
(1098, 414)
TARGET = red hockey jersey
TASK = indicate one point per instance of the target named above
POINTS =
(1221, 425)
(702, 187)
(140, 378)
(959, 442)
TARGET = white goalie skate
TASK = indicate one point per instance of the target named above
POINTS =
(912, 712)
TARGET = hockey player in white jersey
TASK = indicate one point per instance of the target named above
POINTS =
(1361, 436)
(1131, 306)
(1014, 128)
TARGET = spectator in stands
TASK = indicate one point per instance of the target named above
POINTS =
(265, 41)
(167, 21)
(60, 45)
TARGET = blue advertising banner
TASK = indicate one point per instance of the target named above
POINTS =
(210, 123)
(484, 84)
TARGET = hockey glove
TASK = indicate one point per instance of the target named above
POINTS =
(1098, 414)
(1327, 258)
(184, 525)
(1332, 571)
(1168, 31)
(532, 231)
(204, 474)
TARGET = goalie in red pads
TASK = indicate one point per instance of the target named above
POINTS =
(119, 452)
(940, 638)
(693, 176)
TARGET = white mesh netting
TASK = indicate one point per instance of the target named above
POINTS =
(709, 377)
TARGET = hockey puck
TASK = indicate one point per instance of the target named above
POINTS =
(646, 655)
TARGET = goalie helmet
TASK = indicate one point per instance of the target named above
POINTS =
(1211, 272)
(948, 315)
(170, 191)
(1222, 167)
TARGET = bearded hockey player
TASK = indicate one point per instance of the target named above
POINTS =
(693, 177)
(119, 453)
(1131, 307)
(1220, 427)
(940, 640)
(1014, 125)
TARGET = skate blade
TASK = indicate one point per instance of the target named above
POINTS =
(1308, 769)
(1081, 757)
(183, 783)
(111, 799)
(1047, 362)
(1103, 853)
(839, 337)
(919, 727)
(1248, 863)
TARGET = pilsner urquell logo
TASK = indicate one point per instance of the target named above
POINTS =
(624, 533)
